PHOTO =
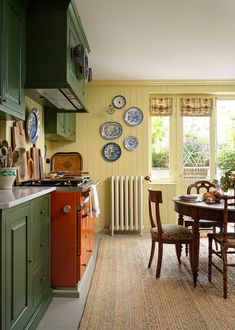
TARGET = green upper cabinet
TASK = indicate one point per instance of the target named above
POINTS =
(52, 66)
(60, 126)
(12, 61)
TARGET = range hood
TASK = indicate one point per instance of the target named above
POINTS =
(56, 56)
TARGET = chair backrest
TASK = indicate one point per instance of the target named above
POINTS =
(229, 201)
(200, 186)
(155, 198)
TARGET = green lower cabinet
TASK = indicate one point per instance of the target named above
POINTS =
(25, 264)
(60, 126)
(18, 268)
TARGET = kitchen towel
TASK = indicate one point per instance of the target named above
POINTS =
(95, 206)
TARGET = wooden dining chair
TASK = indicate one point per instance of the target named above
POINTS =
(226, 242)
(165, 233)
(201, 187)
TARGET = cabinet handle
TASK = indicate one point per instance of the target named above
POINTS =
(42, 211)
(42, 244)
(89, 251)
(2, 99)
(42, 279)
(30, 261)
(84, 265)
(67, 209)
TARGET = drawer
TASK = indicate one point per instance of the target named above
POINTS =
(41, 282)
(82, 262)
(41, 245)
(83, 236)
(41, 211)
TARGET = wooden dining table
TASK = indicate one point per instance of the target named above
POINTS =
(199, 210)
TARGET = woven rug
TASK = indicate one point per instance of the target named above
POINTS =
(125, 294)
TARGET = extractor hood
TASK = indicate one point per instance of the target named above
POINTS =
(57, 56)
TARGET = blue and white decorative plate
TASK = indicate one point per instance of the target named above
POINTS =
(111, 151)
(33, 125)
(131, 142)
(111, 130)
(133, 116)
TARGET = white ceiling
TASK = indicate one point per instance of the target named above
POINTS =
(160, 39)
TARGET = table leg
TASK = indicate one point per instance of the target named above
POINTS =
(195, 250)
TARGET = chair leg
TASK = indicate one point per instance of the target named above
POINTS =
(209, 258)
(159, 259)
(151, 253)
(225, 281)
(178, 252)
(216, 244)
(186, 250)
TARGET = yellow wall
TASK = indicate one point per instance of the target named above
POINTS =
(90, 143)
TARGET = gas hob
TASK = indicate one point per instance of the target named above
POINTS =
(65, 183)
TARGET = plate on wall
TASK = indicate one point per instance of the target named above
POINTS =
(133, 116)
(111, 130)
(119, 101)
(131, 142)
(33, 125)
(111, 151)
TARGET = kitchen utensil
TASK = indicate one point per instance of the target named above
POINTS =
(18, 140)
(9, 157)
(3, 156)
(18, 156)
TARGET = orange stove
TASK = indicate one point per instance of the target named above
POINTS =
(71, 237)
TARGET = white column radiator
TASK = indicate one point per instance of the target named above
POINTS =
(127, 203)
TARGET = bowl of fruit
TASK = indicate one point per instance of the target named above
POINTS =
(212, 197)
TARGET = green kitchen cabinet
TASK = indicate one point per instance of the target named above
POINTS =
(12, 59)
(60, 126)
(25, 263)
(56, 57)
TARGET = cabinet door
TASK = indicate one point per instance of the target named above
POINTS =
(12, 58)
(18, 272)
(74, 79)
(70, 126)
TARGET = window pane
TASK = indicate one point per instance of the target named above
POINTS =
(160, 147)
(225, 136)
(196, 145)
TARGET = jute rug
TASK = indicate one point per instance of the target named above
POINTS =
(125, 294)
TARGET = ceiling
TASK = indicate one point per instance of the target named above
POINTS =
(160, 39)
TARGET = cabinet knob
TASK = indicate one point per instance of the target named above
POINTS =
(42, 244)
(30, 261)
(42, 279)
(84, 265)
(42, 211)
(67, 209)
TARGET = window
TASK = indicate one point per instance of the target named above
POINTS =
(225, 136)
(161, 111)
(196, 147)
(160, 146)
(202, 146)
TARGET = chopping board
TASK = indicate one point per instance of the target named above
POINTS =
(30, 166)
(34, 152)
(41, 169)
(18, 140)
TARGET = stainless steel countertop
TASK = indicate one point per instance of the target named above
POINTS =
(19, 195)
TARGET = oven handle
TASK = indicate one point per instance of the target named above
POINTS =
(80, 207)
